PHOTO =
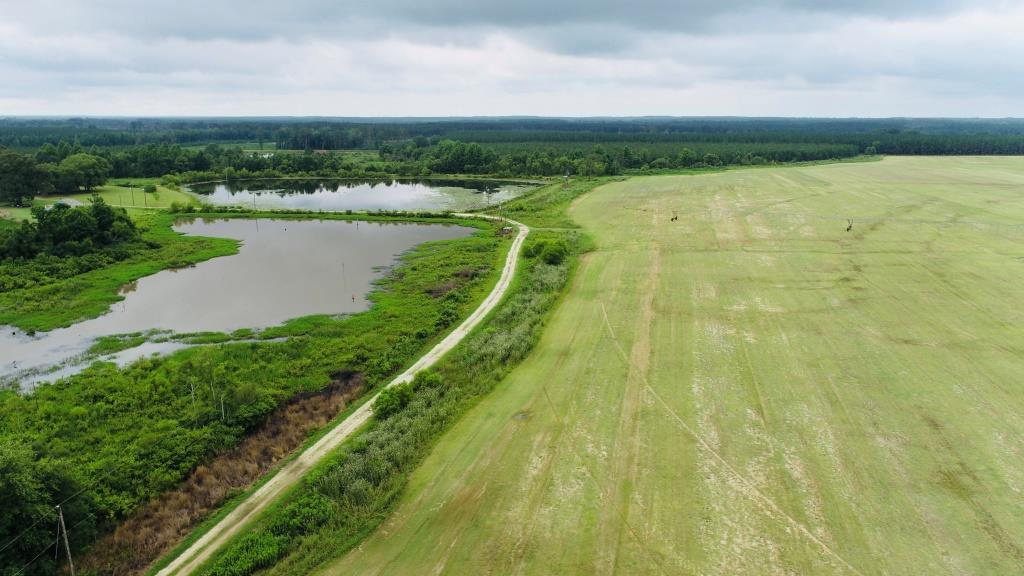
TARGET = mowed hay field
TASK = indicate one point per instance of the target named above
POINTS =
(753, 389)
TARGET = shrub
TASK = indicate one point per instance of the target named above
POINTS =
(554, 254)
(535, 248)
(253, 551)
(392, 399)
(305, 514)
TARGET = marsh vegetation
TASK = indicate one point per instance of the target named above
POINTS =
(116, 438)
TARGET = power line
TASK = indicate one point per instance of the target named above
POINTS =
(35, 558)
(38, 520)
(55, 541)
(23, 532)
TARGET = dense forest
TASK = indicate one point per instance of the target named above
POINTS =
(196, 149)
(369, 133)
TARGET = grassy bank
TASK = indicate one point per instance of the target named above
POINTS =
(346, 498)
(120, 437)
(51, 292)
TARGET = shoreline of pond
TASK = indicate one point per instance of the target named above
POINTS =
(385, 226)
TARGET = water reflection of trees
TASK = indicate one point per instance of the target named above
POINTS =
(319, 185)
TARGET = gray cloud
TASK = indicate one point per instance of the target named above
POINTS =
(404, 57)
(261, 18)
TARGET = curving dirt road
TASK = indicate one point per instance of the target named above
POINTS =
(203, 548)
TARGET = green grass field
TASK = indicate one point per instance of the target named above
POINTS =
(116, 193)
(753, 389)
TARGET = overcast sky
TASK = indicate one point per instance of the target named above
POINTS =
(514, 57)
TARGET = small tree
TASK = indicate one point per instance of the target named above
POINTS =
(712, 159)
(554, 253)
(81, 171)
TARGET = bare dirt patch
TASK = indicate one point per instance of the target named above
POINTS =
(161, 524)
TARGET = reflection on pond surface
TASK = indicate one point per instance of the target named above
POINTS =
(339, 195)
(284, 269)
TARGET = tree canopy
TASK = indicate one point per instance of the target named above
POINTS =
(20, 178)
(80, 172)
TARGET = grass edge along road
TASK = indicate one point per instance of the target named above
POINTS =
(196, 554)
(855, 386)
(352, 492)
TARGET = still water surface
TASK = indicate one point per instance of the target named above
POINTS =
(340, 195)
(284, 269)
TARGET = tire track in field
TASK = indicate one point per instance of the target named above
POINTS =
(597, 482)
(462, 500)
(604, 491)
(624, 468)
(522, 524)
(749, 487)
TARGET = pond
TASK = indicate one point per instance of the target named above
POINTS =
(284, 269)
(340, 195)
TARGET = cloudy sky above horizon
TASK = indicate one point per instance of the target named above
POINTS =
(526, 57)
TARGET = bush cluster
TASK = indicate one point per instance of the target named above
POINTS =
(63, 230)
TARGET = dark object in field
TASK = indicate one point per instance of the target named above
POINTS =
(675, 217)
(850, 227)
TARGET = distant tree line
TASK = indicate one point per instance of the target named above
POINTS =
(494, 146)
(889, 136)
(547, 159)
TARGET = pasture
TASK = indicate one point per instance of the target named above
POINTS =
(796, 370)
(117, 193)
(128, 193)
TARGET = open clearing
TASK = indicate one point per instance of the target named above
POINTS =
(753, 389)
(116, 194)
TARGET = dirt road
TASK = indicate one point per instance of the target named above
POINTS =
(203, 548)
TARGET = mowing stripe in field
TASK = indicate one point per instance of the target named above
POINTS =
(812, 370)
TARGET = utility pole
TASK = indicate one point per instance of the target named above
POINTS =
(64, 531)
